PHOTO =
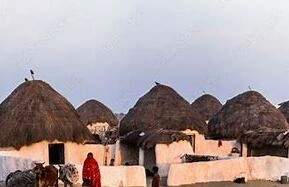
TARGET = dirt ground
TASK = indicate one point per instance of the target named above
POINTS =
(248, 184)
(221, 184)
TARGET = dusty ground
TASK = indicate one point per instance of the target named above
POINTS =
(249, 184)
(222, 184)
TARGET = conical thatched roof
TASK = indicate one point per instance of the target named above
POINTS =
(93, 111)
(207, 106)
(161, 108)
(34, 112)
(247, 111)
(284, 108)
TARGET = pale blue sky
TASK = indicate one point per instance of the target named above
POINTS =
(114, 50)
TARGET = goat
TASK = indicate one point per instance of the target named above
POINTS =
(68, 174)
(46, 176)
(21, 179)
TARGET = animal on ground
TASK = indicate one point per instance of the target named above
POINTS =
(21, 179)
(46, 176)
(68, 174)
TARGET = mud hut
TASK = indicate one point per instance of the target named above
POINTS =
(36, 122)
(154, 129)
(265, 141)
(247, 111)
(100, 120)
(207, 106)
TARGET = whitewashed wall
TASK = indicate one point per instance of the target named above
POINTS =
(253, 168)
(210, 147)
(168, 154)
(11, 164)
(74, 153)
(116, 176)
(110, 176)
(123, 176)
(35, 152)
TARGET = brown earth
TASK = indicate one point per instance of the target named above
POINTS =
(248, 184)
(219, 184)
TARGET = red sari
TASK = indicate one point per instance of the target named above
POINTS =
(91, 172)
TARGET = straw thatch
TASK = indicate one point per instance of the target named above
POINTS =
(93, 111)
(207, 106)
(284, 108)
(162, 108)
(149, 138)
(247, 111)
(119, 116)
(264, 137)
(34, 112)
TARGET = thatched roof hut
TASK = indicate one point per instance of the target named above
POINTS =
(247, 111)
(263, 137)
(162, 108)
(93, 111)
(265, 141)
(34, 112)
(148, 139)
(207, 106)
(284, 108)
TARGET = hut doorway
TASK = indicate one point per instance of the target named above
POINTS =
(56, 153)
(129, 154)
(149, 158)
(193, 142)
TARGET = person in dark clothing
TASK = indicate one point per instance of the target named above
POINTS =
(111, 162)
(156, 177)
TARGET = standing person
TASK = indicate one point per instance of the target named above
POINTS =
(90, 172)
(156, 178)
(111, 162)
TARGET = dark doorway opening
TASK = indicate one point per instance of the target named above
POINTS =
(56, 153)
(193, 142)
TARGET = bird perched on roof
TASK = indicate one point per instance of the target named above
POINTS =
(32, 74)
(157, 83)
(26, 79)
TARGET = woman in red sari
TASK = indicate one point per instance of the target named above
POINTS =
(90, 172)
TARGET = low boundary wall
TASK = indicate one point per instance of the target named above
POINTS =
(252, 168)
(111, 176)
